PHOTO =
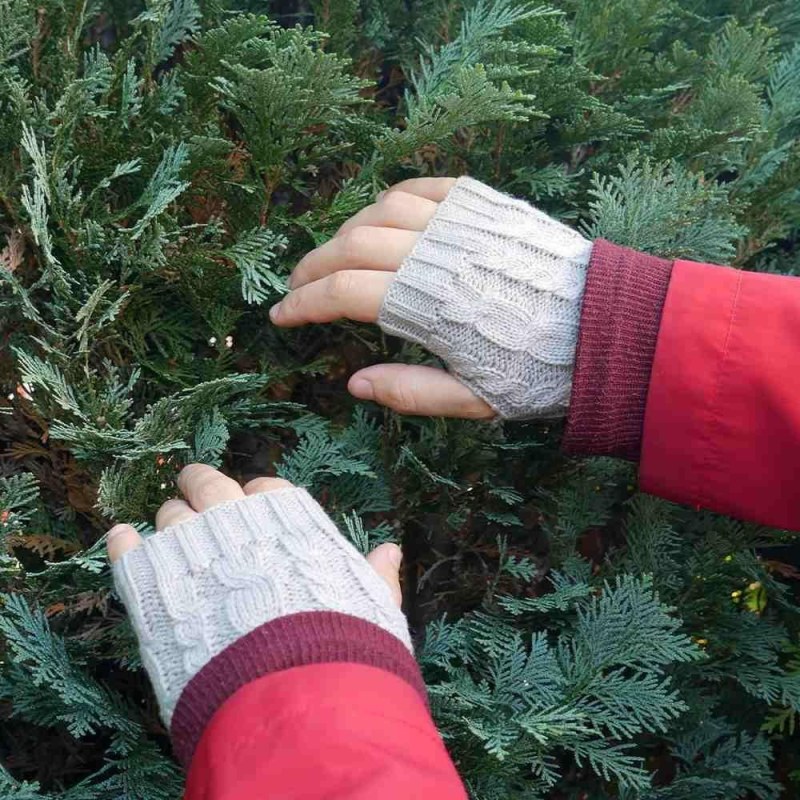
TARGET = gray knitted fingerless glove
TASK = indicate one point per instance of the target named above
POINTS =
(494, 288)
(199, 586)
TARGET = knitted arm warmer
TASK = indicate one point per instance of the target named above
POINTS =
(494, 288)
(195, 589)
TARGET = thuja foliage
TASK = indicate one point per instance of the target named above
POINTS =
(164, 164)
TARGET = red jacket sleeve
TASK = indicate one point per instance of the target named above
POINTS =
(338, 731)
(694, 370)
(722, 422)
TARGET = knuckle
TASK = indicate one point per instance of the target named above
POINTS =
(397, 200)
(354, 242)
(340, 284)
(293, 302)
(401, 397)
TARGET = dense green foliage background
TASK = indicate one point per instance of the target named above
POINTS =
(162, 167)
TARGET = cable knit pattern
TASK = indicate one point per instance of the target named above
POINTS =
(198, 587)
(494, 288)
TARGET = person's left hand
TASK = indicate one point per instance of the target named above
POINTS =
(255, 575)
(348, 277)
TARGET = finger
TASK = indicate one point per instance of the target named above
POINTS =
(356, 295)
(395, 209)
(121, 539)
(205, 487)
(362, 247)
(423, 391)
(262, 485)
(173, 512)
(385, 559)
(435, 189)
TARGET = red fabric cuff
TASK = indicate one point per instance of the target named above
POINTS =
(620, 318)
(313, 637)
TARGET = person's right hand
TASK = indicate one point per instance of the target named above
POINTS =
(489, 284)
(204, 488)
(243, 581)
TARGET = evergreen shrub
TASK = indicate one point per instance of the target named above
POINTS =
(164, 164)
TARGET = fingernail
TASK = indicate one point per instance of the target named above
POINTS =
(396, 556)
(362, 388)
(275, 311)
(290, 282)
(381, 195)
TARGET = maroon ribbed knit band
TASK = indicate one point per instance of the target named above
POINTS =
(621, 314)
(312, 637)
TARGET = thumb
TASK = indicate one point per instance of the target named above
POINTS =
(385, 559)
(121, 539)
(423, 391)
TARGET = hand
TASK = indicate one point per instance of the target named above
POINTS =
(244, 581)
(204, 487)
(349, 276)
(488, 283)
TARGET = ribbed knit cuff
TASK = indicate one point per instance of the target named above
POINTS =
(315, 637)
(620, 318)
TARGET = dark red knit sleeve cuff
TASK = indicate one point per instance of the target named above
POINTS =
(620, 317)
(313, 637)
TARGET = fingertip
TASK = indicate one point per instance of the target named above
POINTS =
(361, 388)
(394, 554)
(120, 540)
(263, 485)
(193, 466)
(173, 512)
(205, 487)
(386, 559)
(435, 189)
(192, 473)
(388, 553)
(118, 530)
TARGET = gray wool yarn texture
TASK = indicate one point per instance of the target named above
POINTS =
(197, 587)
(494, 287)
